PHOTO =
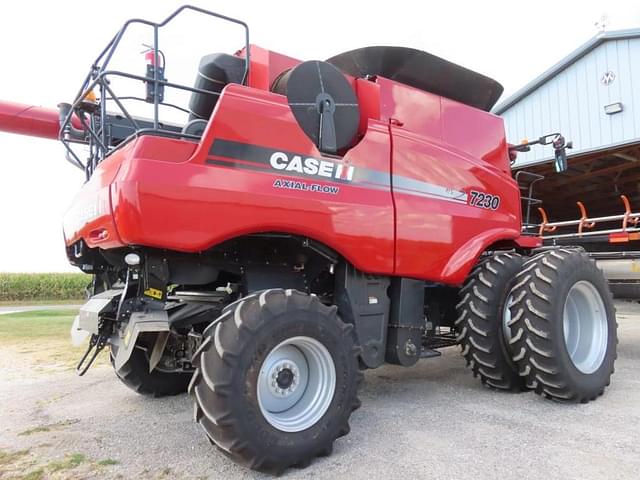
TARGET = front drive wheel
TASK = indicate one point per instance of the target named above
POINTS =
(564, 323)
(276, 380)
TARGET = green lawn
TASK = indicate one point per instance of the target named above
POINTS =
(40, 338)
(11, 303)
(23, 326)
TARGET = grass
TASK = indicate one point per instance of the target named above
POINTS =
(42, 324)
(40, 338)
(47, 428)
(24, 465)
(69, 462)
(36, 474)
(7, 458)
(19, 303)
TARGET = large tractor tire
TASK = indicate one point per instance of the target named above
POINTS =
(482, 316)
(563, 326)
(135, 375)
(276, 380)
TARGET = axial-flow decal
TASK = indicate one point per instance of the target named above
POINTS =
(305, 187)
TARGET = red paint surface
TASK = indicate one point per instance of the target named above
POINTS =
(162, 193)
(30, 120)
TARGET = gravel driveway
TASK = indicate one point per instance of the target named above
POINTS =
(430, 421)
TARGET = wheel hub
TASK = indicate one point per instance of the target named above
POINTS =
(285, 378)
(296, 384)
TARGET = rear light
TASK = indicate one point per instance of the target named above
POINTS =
(99, 234)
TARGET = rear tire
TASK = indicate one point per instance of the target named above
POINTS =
(481, 323)
(135, 375)
(564, 326)
(259, 419)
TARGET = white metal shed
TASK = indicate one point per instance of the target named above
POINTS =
(592, 96)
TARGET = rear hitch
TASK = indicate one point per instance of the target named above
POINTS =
(96, 343)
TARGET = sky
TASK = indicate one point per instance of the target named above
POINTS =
(47, 47)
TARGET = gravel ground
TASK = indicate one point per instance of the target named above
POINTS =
(432, 420)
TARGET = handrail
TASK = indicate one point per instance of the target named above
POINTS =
(96, 133)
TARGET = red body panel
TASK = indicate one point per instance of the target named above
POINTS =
(90, 215)
(448, 146)
(406, 210)
(193, 206)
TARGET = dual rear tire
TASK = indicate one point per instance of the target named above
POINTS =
(563, 326)
(481, 323)
(546, 323)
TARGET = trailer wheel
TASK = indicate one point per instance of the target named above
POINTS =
(482, 317)
(276, 380)
(135, 375)
(563, 319)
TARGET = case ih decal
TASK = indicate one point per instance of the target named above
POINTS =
(255, 157)
(310, 166)
(232, 154)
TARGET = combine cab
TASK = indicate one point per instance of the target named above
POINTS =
(306, 221)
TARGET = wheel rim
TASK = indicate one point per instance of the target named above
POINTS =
(585, 327)
(506, 319)
(296, 384)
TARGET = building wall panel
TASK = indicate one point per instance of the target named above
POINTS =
(572, 102)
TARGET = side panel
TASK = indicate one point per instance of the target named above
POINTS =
(440, 232)
(477, 133)
(90, 216)
(230, 187)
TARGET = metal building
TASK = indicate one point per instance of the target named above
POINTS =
(592, 97)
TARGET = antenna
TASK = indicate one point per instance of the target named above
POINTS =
(602, 23)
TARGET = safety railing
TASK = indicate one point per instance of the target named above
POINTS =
(526, 181)
(91, 108)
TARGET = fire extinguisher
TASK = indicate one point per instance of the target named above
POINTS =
(152, 69)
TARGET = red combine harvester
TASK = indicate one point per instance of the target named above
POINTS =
(307, 221)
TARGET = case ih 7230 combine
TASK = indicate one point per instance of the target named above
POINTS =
(311, 220)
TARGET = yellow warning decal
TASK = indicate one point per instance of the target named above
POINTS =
(153, 293)
(127, 337)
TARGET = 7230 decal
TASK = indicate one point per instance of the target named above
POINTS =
(484, 200)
